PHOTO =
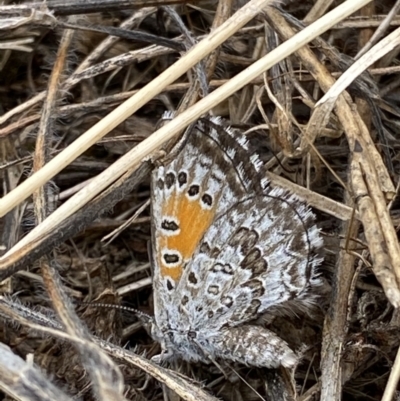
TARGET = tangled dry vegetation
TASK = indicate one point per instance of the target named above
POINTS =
(82, 83)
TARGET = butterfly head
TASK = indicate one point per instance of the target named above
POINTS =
(178, 344)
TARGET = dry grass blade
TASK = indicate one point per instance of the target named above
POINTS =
(145, 148)
(336, 209)
(391, 388)
(21, 380)
(381, 30)
(106, 378)
(356, 132)
(76, 225)
(59, 7)
(45, 325)
(382, 48)
(130, 106)
(335, 325)
(374, 234)
(24, 316)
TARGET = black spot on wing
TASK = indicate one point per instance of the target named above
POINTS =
(244, 239)
(205, 248)
(170, 180)
(207, 200)
(222, 268)
(255, 262)
(250, 258)
(182, 178)
(256, 286)
(171, 258)
(194, 190)
(170, 285)
(169, 225)
(215, 252)
(160, 184)
(192, 278)
(252, 310)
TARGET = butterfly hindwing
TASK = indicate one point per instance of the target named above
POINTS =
(261, 255)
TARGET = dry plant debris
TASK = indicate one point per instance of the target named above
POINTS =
(83, 86)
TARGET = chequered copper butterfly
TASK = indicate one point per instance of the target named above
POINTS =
(227, 248)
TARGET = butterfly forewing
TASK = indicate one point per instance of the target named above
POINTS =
(190, 192)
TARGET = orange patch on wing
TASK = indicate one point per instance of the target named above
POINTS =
(174, 272)
(193, 222)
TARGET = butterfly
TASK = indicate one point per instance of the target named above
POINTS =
(227, 247)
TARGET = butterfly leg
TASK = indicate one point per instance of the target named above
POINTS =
(165, 356)
(254, 346)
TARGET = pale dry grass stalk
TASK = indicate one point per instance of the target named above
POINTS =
(134, 157)
(366, 181)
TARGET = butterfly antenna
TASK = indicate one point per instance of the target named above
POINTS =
(143, 316)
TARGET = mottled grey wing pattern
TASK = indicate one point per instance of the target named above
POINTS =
(227, 248)
(211, 173)
(261, 254)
